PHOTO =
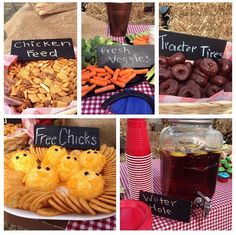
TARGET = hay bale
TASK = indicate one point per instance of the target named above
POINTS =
(203, 19)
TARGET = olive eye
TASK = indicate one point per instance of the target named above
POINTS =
(47, 169)
(39, 167)
(88, 152)
(97, 174)
(68, 157)
(86, 173)
(25, 155)
(17, 157)
(95, 152)
(56, 149)
(75, 158)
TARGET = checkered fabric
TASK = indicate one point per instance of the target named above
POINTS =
(220, 217)
(103, 224)
(92, 105)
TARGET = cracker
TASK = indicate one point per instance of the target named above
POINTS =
(98, 208)
(87, 207)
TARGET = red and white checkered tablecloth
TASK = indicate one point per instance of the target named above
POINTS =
(220, 217)
(92, 105)
(103, 224)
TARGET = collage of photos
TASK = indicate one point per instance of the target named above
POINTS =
(93, 141)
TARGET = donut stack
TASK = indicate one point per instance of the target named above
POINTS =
(201, 79)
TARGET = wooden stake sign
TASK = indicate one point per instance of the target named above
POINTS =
(67, 136)
(45, 49)
(125, 56)
(194, 47)
(168, 207)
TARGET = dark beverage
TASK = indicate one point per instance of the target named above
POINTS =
(183, 174)
(118, 17)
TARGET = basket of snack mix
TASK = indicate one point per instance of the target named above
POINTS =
(15, 137)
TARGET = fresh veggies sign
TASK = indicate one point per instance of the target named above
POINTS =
(44, 49)
(125, 56)
(67, 136)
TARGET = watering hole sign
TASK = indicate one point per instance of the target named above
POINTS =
(168, 207)
(67, 136)
(43, 49)
(194, 47)
(125, 56)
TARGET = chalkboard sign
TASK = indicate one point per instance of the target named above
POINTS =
(67, 136)
(45, 49)
(194, 47)
(168, 207)
(125, 56)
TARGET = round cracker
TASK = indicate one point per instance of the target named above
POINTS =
(50, 211)
(61, 203)
(113, 202)
(85, 205)
(98, 208)
(103, 205)
(73, 206)
(58, 207)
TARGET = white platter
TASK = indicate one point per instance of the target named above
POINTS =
(32, 215)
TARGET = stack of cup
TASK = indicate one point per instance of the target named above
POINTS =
(139, 157)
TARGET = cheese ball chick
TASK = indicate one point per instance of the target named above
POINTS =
(54, 155)
(92, 159)
(68, 165)
(43, 178)
(86, 184)
(22, 161)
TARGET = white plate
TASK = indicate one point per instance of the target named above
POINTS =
(32, 215)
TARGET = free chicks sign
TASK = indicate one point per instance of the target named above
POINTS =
(67, 136)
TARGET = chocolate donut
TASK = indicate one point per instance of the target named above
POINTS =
(164, 74)
(228, 86)
(180, 72)
(211, 90)
(202, 81)
(189, 65)
(163, 60)
(196, 63)
(208, 66)
(191, 90)
(169, 87)
(199, 72)
(177, 58)
(225, 66)
(218, 80)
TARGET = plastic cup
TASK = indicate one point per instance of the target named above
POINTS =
(135, 215)
(118, 17)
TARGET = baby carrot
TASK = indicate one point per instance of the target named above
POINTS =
(125, 72)
(133, 75)
(140, 71)
(98, 70)
(84, 88)
(125, 76)
(91, 67)
(109, 70)
(85, 76)
(120, 84)
(108, 77)
(105, 88)
(98, 82)
(103, 74)
(99, 78)
(88, 90)
(116, 74)
(93, 73)
(138, 42)
(84, 70)
(84, 82)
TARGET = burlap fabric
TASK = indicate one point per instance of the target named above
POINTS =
(92, 27)
(27, 24)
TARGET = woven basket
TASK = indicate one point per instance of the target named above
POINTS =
(18, 141)
(218, 107)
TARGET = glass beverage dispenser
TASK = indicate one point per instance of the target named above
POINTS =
(190, 152)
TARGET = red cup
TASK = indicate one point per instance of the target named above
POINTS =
(137, 140)
(135, 215)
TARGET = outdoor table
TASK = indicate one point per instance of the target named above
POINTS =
(220, 217)
(92, 105)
